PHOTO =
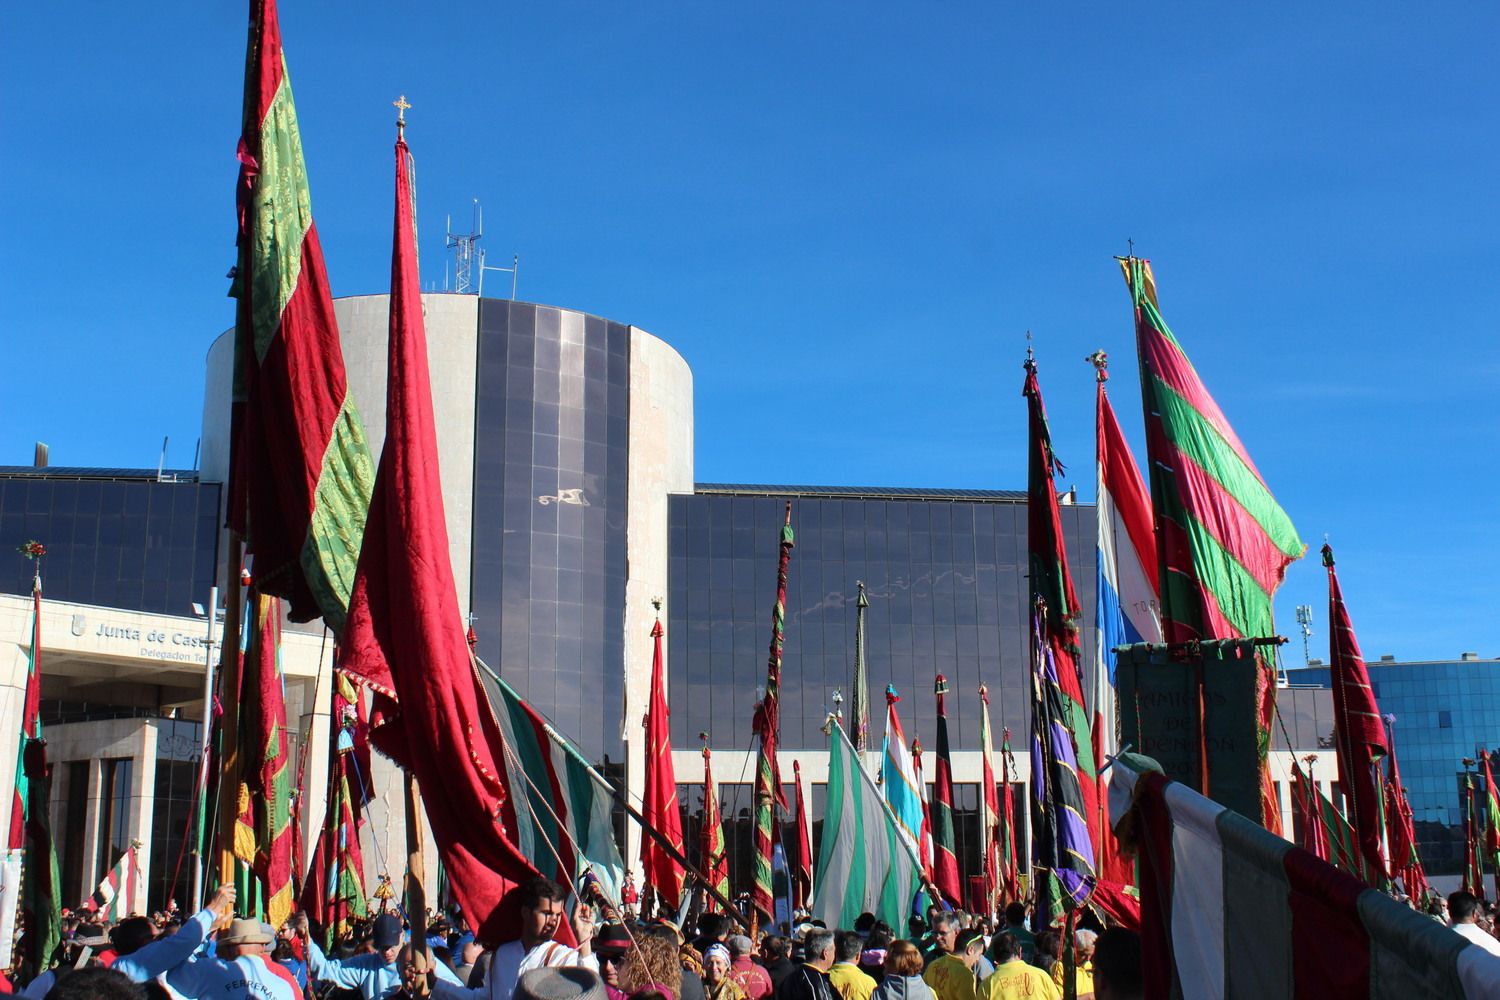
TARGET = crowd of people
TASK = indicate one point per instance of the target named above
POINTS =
(949, 956)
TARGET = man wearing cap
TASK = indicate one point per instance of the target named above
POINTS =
(541, 901)
(240, 971)
(375, 974)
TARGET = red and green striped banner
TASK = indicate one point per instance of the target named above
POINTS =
(1010, 867)
(802, 872)
(1058, 619)
(1492, 821)
(1406, 863)
(333, 895)
(301, 473)
(713, 856)
(944, 851)
(1223, 542)
(1327, 833)
(263, 832)
(989, 822)
(32, 855)
(1473, 874)
(768, 793)
(1359, 733)
(558, 811)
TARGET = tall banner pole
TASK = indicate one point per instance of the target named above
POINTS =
(416, 867)
(205, 744)
(229, 699)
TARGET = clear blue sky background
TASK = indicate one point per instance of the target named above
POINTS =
(844, 216)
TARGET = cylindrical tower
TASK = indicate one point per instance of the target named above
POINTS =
(560, 436)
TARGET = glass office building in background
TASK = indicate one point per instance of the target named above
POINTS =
(1446, 710)
(945, 572)
(946, 577)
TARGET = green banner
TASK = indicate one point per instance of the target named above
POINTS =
(1159, 715)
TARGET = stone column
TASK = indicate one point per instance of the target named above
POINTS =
(143, 806)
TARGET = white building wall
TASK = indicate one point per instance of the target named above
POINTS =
(661, 463)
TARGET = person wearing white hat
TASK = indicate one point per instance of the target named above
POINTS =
(241, 970)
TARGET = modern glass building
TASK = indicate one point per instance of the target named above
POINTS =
(560, 436)
(551, 467)
(134, 539)
(945, 574)
(1445, 710)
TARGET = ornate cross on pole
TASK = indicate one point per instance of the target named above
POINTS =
(400, 105)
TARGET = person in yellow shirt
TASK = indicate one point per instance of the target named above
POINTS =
(951, 975)
(848, 980)
(1083, 973)
(1014, 978)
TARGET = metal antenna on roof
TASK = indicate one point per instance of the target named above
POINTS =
(463, 246)
(514, 270)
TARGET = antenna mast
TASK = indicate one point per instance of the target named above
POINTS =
(463, 247)
(1304, 622)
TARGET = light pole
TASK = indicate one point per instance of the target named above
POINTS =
(212, 615)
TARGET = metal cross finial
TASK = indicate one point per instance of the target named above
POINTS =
(1129, 247)
(400, 105)
(1030, 355)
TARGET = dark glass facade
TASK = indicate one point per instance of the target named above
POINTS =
(551, 429)
(1445, 711)
(735, 802)
(115, 538)
(946, 579)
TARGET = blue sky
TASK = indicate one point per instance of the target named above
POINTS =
(845, 217)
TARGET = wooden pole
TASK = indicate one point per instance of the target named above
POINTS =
(1070, 956)
(678, 857)
(229, 701)
(416, 868)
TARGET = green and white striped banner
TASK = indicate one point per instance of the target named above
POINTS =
(864, 864)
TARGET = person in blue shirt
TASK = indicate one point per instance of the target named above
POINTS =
(376, 974)
(237, 968)
(287, 959)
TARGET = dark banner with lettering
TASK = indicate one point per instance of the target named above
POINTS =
(1159, 715)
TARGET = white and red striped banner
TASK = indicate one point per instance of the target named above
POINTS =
(119, 895)
(1230, 910)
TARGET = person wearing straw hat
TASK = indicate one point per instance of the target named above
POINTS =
(241, 969)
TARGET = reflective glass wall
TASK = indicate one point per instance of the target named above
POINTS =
(120, 540)
(1445, 711)
(551, 418)
(947, 586)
